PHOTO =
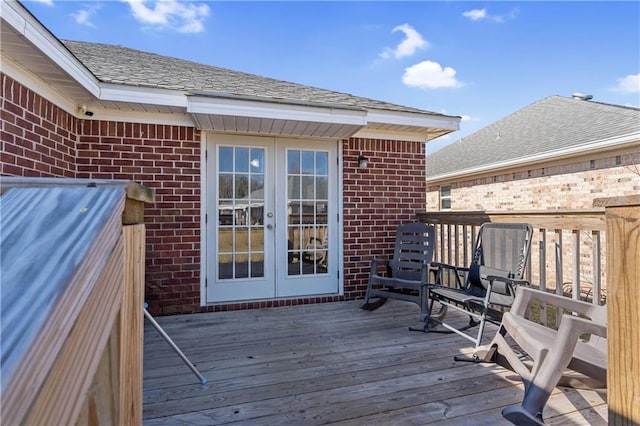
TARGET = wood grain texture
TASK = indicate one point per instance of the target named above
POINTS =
(64, 391)
(623, 311)
(583, 219)
(131, 325)
(328, 363)
(55, 244)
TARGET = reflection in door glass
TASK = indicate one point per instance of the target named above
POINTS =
(307, 205)
(240, 237)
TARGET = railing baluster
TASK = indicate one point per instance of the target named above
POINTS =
(596, 263)
(575, 282)
(449, 244)
(441, 239)
(456, 248)
(465, 244)
(542, 267)
(559, 270)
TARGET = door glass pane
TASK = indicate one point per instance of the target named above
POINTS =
(257, 160)
(242, 159)
(225, 157)
(308, 162)
(293, 162)
(240, 213)
(293, 187)
(307, 201)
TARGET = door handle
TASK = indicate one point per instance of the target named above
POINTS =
(269, 226)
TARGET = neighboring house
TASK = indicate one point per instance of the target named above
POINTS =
(557, 153)
(260, 198)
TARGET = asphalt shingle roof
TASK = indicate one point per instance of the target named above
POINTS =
(122, 65)
(548, 125)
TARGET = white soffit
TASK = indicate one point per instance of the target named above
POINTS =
(25, 26)
(240, 115)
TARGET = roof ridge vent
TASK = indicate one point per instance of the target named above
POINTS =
(582, 96)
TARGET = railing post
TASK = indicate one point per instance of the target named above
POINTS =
(131, 335)
(623, 308)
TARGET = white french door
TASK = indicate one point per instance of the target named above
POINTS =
(272, 224)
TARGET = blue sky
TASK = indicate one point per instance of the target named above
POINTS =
(478, 60)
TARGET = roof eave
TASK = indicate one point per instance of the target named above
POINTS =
(589, 148)
(27, 26)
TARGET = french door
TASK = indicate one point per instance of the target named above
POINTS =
(272, 218)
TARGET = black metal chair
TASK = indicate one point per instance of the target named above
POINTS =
(405, 275)
(486, 288)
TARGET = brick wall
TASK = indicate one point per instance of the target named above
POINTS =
(376, 201)
(167, 159)
(38, 138)
(570, 185)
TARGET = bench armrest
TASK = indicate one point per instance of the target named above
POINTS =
(525, 295)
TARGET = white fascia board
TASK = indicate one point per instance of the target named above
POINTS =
(276, 111)
(140, 117)
(391, 135)
(414, 119)
(15, 15)
(142, 95)
(589, 148)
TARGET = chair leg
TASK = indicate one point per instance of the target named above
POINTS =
(372, 306)
(518, 415)
(367, 304)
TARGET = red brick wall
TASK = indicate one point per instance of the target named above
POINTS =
(38, 138)
(166, 158)
(376, 200)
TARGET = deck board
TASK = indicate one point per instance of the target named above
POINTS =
(330, 364)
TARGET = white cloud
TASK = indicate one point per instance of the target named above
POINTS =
(407, 47)
(84, 16)
(47, 2)
(475, 14)
(181, 16)
(430, 75)
(464, 118)
(480, 14)
(629, 84)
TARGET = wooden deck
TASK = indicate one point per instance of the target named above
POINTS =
(331, 363)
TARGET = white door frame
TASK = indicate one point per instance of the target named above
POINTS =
(208, 209)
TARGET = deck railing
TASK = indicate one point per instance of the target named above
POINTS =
(591, 254)
(567, 251)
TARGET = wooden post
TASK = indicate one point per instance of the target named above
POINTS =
(132, 326)
(623, 308)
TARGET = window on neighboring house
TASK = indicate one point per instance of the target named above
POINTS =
(445, 197)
